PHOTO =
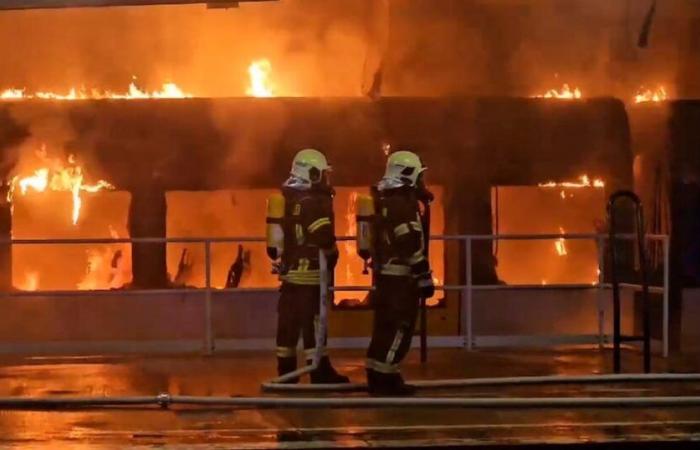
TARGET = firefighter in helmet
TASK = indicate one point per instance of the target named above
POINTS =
(302, 224)
(402, 272)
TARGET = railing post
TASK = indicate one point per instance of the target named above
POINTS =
(667, 273)
(468, 292)
(600, 244)
(643, 267)
(322, 329)
(612, 229)
(208, 332)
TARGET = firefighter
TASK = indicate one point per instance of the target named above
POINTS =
(306, 225)
(402, 272)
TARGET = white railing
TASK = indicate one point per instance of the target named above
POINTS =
(467, 319)
(600, 240)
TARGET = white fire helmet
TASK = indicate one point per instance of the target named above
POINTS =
(310, 165)
(404, 166)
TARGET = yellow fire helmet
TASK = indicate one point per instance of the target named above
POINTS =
(404, 166)
(309, 165)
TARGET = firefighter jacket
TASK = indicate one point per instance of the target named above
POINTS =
(308, 227)
(399, 246)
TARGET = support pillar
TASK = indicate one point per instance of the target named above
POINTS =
(5, 247)
(147, 219)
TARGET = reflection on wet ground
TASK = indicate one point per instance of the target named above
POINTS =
(241, 374)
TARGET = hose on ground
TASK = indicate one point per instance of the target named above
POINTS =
(165, 400)
(498, 381)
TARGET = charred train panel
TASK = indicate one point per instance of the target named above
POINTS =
(148, 147)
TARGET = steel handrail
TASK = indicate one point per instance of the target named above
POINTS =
(641, 249)
(466, 318)
(235, 239)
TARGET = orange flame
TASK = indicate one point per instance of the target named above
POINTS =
(57, 177)
(560, 244)
(259, 73)
(30, 282)
(645, 95)
(168, 90)
(565, 93)
(12, 94)
(583, 182)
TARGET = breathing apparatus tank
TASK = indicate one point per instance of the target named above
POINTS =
(274, 230)
(364, 218)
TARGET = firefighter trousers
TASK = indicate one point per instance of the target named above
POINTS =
(395, 303)
(297, 313)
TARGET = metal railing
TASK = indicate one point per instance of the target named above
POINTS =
(467, 289)
(640, 230)
(600, 240)
(467, 318)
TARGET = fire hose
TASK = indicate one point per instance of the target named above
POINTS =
(165, 400)
(498, 381)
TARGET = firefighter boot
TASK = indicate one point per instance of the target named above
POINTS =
(326, 374)
(389, 385)
(286, 365)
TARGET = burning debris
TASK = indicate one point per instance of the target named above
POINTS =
(184, 269)
(238, 267)
(646, 95)
(107, 267)
(168, 90)
(566, 93)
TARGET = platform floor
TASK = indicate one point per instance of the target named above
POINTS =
(241, 374)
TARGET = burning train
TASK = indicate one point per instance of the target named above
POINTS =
(177, 162)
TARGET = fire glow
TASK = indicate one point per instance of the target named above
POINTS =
(560, 244)
(566, 93)
(167, 91)
(583, 181)
(30, 282)
(56, 176)
(259, 73)
(646, 95)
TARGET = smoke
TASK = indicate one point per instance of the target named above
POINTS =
(335, 47)
(316, 47)
(252, 139)
(48, 135)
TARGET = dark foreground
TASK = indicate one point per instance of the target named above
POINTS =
(408, 427)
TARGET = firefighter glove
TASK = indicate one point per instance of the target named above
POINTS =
(332, 257)
(426, 287)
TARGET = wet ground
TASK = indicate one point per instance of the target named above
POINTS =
(240, 374)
